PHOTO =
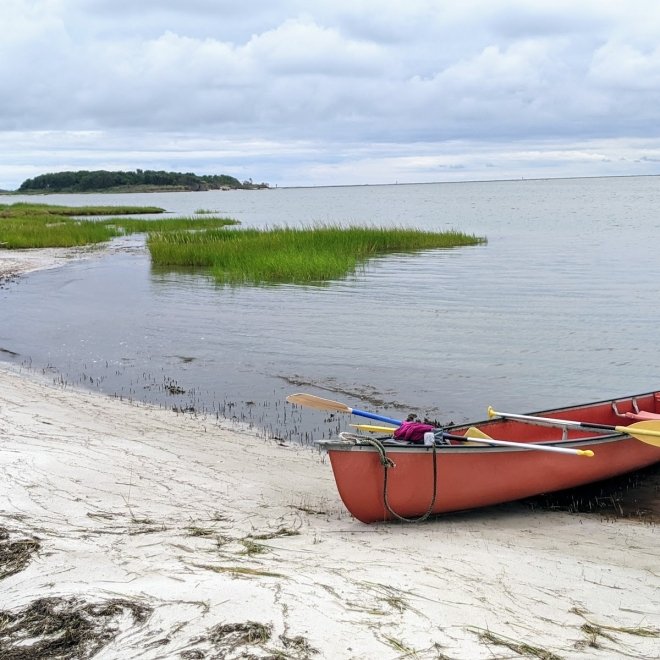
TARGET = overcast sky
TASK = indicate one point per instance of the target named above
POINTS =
(324, 92)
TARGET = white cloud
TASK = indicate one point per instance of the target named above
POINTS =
(623, 66)
(302, 47)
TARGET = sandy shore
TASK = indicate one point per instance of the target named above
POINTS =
(18, 262)
(210, 527)
(208, 541)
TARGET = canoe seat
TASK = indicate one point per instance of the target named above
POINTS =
(641, 416)
(637, 414)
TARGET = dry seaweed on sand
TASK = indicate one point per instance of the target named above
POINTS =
(64, 628)
(15, 555)
(240, 571)
(594, 631)
(233, 637)
(522, 648)
(233, 634)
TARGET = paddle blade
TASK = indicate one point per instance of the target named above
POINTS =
(648, 432)
(374, 429)
(474, 432)
(317, 402)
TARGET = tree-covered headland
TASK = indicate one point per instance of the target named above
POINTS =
(137, 181)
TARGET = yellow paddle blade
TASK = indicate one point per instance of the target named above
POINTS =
(374, 429)
(311, 401)
(474, 432)
(648, 432)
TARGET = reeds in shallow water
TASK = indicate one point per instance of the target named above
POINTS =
(280, 255)
(296, 255)
(26, 225)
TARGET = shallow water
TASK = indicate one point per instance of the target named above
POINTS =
(559, 307)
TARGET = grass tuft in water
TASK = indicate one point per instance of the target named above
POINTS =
(292, 255)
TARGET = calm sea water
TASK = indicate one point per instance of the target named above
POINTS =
(559, 307)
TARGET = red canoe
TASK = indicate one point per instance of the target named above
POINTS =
(383, 480)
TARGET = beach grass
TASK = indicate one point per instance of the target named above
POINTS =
(292, 255)
(25, 225)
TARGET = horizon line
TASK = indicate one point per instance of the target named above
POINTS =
(434, 183)
(365, 185)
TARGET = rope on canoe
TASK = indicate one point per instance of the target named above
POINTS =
(388, 463)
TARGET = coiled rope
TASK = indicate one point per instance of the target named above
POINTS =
(388, 463)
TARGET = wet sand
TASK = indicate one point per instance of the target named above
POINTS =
(14, 263)
(208, 525)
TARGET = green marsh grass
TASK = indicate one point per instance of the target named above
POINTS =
(42, 226)
(28, 208)
(292, 255)
(42, 231)
(307, 255)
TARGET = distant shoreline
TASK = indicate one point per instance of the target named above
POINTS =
(436, 183)
(118, 181)
(160, 189)
(116, 191)
(120, 190)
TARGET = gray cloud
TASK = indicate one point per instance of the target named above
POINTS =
(344, 77)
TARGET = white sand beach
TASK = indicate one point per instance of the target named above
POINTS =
(237, 546)
(209, 524)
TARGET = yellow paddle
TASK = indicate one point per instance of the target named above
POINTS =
(312, 401)
(648, 432)
(374, 429)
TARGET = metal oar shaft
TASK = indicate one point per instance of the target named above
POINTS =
(647, 431)
(520, 445)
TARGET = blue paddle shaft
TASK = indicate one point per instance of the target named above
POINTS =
(380, 418)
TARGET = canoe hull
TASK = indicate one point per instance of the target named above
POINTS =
(468, 477)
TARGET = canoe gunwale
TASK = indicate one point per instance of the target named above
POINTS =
(591, 404)
(579, 443)
(492, 424)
